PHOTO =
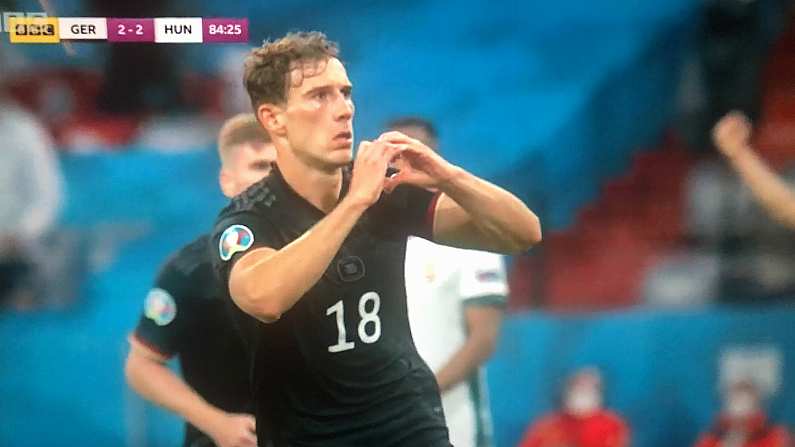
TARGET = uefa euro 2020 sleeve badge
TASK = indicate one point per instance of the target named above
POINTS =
(235, 239)
(160, 307)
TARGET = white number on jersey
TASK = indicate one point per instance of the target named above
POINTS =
(368, 320)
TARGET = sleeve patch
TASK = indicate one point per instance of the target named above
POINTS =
(487, 276)
(235, 239)
(160, 307)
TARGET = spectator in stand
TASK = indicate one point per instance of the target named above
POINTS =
(582, 421)
(743, 422)
(30, 199)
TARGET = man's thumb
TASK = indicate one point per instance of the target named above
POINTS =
(393, 181)
(251, 423)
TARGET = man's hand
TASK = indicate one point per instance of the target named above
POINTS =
(732, 134)
(234, 430)
(369, 171)
(418, 164)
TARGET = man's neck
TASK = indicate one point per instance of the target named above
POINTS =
(319, 187)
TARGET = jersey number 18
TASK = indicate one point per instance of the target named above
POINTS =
(369, 323)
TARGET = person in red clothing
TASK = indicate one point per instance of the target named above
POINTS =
(743, 422)
(583, 421)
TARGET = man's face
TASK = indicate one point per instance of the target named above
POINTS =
(583, 396)
(742, 402)
(320, 114)
(250, 163)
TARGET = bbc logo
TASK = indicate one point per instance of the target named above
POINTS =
(8, 15)
(32, 29)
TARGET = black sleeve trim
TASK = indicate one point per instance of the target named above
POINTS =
(149, 345)
(486, 301)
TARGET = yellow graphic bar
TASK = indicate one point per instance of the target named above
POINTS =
(33, 30)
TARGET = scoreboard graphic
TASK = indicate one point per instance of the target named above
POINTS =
(122, 30)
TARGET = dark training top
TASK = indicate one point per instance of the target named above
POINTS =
(187, 316)
(340, 367)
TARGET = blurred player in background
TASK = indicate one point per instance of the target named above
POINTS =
(187, 316)
(31, 197)
(316, 253)
(732, 136)
(455, 299)
(582, 420)
(743, 423)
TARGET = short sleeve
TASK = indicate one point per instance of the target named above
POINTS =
(165, 315)
(483, 279)
(236, 235)
(410, 210)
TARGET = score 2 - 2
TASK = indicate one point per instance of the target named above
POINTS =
(131, 30)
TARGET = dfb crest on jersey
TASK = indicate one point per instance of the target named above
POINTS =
(350, 268)
(160, 307)
(235, 239)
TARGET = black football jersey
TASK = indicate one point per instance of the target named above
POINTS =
(186, 315)
(340, 367)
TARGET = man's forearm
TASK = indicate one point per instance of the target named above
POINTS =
(158, 384)
(770, 190)
(501, 217)
(463, 363)
(271, 284)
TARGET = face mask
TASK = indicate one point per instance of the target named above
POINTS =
(583, 402)
(740, 405)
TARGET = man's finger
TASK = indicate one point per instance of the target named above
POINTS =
(251, 424)
(394, 181)
(397, 137)
(392, 151)
(738, 117)
(396, 159)
(396, 149)
(736, 114)
(250, 440)
(391, 134)
(363, 147)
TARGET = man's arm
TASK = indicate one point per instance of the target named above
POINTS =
(483, 326)
(471, 212)
(44, 184)
(732, 137)
(265, 282)
(148, 375)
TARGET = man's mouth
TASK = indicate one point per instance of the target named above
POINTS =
(345, 135)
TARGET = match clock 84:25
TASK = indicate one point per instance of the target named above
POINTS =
(226, 29)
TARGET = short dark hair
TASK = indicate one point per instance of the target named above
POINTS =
(267, 69)
(414, 121)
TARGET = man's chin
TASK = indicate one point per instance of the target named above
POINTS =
(342, 155)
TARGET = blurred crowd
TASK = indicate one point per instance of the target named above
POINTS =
(583, 418)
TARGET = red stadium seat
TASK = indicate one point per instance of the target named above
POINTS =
(601, 261)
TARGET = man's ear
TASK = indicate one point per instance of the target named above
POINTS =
(272, 118)
(227, 183)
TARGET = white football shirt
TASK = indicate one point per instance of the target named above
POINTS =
(440, 282)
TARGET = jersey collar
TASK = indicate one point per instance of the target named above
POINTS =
(279, 183)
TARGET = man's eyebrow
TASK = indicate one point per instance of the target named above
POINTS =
(318, 89)
(345, 87)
